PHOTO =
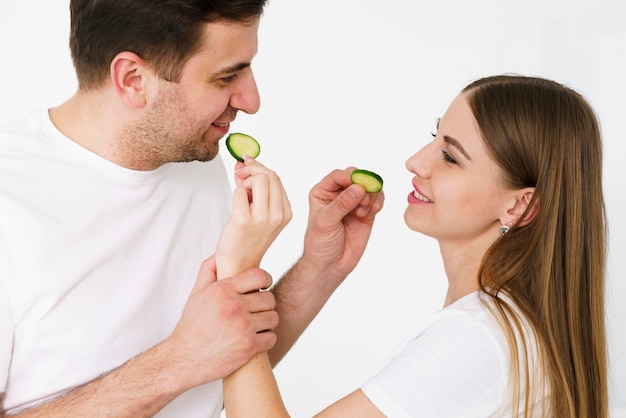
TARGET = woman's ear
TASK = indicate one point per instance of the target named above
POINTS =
(128, 76)
(523, 200)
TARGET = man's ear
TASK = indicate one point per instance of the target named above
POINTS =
(523, 199)
(128, 76)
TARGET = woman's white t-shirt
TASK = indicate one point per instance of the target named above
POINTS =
(456, 364)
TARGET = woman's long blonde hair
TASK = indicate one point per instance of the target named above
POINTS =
(545, 135)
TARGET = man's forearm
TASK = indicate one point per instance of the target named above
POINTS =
(300, 295)
(140, 388)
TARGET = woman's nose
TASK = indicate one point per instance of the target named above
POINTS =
(420, 163)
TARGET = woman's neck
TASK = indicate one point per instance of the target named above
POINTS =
(461, 264)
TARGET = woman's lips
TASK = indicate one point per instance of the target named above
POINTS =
(417, 194)
(421, 197)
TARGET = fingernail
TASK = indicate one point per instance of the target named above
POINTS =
(353, 194)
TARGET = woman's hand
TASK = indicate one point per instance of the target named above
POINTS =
(261, 209)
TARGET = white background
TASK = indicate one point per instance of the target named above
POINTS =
(361, 82)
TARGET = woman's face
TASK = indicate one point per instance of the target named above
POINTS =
(458, 195)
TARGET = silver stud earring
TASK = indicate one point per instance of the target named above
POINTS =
(504, 229)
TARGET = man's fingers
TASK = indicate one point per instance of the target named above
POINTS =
(332, 183)
(250, 281)
(265, 321)
(370, 206)
(260, 301)
(344, 203)
(206, 275)
(266, 340)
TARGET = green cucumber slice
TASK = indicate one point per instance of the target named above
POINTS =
(371, 181)
(239, 144)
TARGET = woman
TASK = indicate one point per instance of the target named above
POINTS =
(511, 188)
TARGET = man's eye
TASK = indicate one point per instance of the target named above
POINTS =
(447, 158)
(229, 79)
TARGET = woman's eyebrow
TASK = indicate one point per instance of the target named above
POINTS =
(456, 144)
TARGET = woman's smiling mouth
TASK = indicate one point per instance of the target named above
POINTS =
(423, 198)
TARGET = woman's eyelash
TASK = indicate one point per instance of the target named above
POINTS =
(447, 158)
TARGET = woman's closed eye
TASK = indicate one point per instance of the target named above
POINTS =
(447, 158)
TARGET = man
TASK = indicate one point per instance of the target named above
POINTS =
(111, 203)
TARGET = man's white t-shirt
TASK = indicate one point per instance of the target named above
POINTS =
(456, 364)
(96, 261)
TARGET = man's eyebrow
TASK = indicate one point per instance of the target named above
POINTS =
(231, 69)
(456, 144)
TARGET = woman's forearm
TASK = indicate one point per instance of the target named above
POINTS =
(252, 391)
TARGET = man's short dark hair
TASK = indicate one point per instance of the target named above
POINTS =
(164, 33)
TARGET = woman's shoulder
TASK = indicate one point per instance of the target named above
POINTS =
(463, 331)
(466, 315)
(454, 363)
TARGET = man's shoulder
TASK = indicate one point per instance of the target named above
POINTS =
(15, 133)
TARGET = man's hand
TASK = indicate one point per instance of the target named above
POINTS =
(223, 325)
(341, 216)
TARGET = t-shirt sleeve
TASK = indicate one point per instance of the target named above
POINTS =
(6, 337)
(454, 367)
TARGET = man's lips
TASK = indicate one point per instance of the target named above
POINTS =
(221, 127)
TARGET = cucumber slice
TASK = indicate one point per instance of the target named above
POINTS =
(239, 144)
(371, 181)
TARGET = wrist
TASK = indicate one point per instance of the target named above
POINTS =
(324, 277)
(228, 265)
(306, 282)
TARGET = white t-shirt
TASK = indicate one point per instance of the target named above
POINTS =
(456, 364)
(96, 261)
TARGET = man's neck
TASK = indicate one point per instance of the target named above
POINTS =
(91, 121)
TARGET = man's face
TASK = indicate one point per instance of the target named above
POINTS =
(184, 121)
